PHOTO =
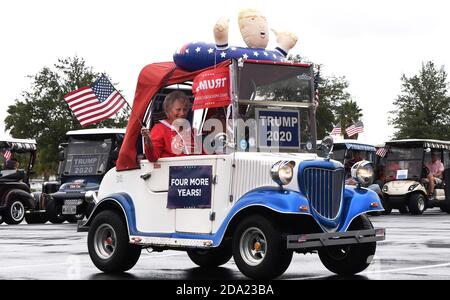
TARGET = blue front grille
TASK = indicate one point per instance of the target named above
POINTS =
(324, 189)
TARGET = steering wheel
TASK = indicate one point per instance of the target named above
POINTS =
(220, 142)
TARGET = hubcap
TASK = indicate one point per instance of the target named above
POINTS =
(105, 241)
(253, 246)
(421, 204)
(17, 211)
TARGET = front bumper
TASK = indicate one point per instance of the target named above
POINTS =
(319, 240)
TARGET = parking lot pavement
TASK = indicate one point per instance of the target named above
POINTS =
(416, 247)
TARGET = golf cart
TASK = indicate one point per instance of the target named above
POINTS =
(15, 194)
(84, 160)
(405, 173)
(262, 195)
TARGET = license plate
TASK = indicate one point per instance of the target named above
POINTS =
(69, 209)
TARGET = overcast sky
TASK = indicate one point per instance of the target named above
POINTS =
(371, 43)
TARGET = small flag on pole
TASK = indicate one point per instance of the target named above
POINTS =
(336, 129)
(358, 127)
(7, 155)
(381, 152)
(95, 103)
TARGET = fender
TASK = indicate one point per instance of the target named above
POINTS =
(26, 197)
(358, 201)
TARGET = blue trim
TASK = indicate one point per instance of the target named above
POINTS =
(360, 147)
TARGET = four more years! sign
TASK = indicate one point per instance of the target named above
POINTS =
(190, 187)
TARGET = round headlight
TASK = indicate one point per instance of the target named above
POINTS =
(362, 172)
(282, 172)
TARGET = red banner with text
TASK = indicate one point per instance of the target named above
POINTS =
(212, 89)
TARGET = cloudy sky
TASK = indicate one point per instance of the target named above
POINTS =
(371, 43)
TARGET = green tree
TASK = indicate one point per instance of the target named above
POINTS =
(42, 113)
(423, 107)
(348, 113)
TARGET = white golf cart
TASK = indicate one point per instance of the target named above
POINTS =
(263, 195)
(405, 172)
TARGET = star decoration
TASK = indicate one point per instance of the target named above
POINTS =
(223, 54)
(197, 49)
(245, 56)
(255, 53)
(210, 50)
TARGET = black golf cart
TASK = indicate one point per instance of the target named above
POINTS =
(405, 173)
(15, 194)
(84, 160)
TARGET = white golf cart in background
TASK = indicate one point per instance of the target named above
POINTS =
(405, 172)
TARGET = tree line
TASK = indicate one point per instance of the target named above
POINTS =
(422, 108)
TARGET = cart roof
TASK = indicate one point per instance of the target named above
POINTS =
(18, 145)
(353, 145)
(436, 144)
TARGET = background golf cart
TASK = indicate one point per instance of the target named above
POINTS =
(260, 206)
(84, 160)
(405, 171)
(15, 194)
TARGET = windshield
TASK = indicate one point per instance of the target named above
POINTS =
(404, 163)
(274, 111)
(84, 157)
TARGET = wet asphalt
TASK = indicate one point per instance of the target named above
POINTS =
(416, 248)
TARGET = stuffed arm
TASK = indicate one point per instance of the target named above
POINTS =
(221, 33)
(286, 41)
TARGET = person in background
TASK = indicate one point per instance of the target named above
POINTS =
(435, 172)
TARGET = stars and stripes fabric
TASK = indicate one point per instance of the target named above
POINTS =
(95, 103)
(7, 155)
(336, 129)
(316, 85)
(381, 152)
(358, 127)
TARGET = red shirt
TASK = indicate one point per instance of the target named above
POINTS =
(167, 142)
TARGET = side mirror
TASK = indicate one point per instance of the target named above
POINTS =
(327, 146)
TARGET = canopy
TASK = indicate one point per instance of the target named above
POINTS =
(151, 79)
(18, 145)
(434, 144)
(360, 147)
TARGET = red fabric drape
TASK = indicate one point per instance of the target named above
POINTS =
(152, 78)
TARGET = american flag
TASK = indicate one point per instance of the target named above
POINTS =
(7, 155)
(381, 152)
(316, 85)
(94, 103)
(336, 129)
(358, 127)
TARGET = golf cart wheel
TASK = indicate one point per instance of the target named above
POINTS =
(259, 250)
(36, 218)
(349, 259)
(417, 204)
(211, 258)
(386, 205)
(108, 243)
(54, 211)
(14, 213)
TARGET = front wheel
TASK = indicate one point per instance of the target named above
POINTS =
(416, 204)
(259, 250)
(108, 244)
(350, 259)
(14, 213)
(386, 205)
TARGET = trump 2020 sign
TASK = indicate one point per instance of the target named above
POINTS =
(189, 187)
(278, 128)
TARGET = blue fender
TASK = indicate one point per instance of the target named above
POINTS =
(356, 202)
(197, 56)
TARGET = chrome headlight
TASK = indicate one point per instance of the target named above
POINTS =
(90, 197)
(385, 188)
(362, 172)
(282, 172)
(412, 187)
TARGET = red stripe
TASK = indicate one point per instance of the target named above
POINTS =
(106, 117)
(112, 102)
(118, 99)
(76, 91)
(72, 106)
